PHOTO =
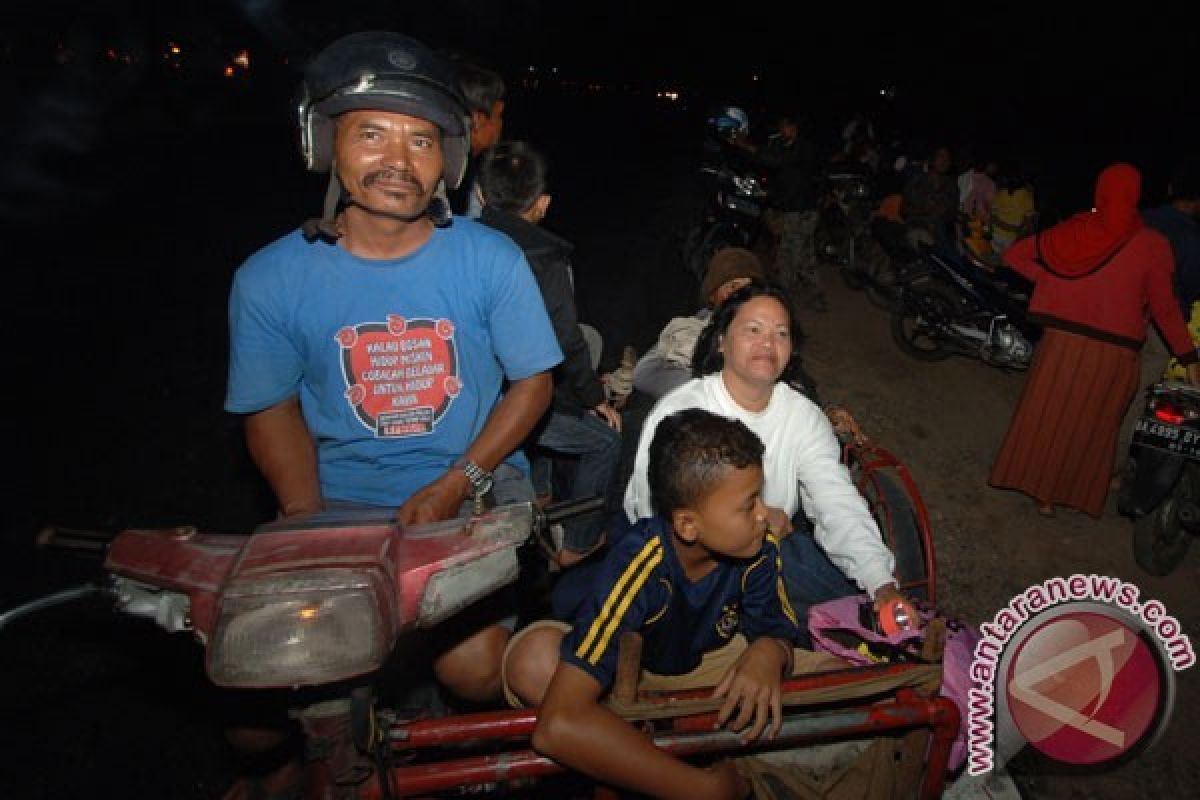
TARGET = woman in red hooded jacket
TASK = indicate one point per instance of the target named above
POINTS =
(1095, 277)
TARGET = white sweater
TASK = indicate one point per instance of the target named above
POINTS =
(802, 466)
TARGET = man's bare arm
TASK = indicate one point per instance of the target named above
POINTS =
(282, 447)
(510, 422)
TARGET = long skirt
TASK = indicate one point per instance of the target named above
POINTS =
(1061, 443)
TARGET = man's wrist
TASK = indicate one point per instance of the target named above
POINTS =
(459, 482)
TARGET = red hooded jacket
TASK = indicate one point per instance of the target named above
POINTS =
(1102, 273)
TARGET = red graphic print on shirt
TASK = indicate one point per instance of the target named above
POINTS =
(401, 375)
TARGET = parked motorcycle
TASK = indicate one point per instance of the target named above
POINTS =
(955, 307)
(1160, 487)
(868, 251)
(731, 217)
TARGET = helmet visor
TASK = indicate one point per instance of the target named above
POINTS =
(399, 96)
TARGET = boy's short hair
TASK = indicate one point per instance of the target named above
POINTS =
(512, 176)
(692, 450)
(482, 87)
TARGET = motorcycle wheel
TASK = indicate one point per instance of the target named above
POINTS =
(688, 249)
(852, 278)
(1159, 539)
(911, 332)
(882, 297)
(882, 288)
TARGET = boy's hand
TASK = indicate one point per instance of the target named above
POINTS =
(728, 783)
(751, 686)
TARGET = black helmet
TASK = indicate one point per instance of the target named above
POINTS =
(389, 72)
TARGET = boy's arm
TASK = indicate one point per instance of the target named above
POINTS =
(752, 685)
(575, 730)
(768, 621)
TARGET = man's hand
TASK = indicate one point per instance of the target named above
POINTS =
(436, 501)
(888, 593)
(779, 522)
(728, 783)
(751, 687)
(610, 415)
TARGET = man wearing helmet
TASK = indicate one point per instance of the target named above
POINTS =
(368, 349)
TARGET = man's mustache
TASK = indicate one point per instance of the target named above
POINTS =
(394, 176)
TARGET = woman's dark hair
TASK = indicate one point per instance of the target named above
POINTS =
(707, 358)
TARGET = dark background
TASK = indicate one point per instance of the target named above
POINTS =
(133, 181)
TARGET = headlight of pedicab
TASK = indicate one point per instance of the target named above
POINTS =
(297, 630)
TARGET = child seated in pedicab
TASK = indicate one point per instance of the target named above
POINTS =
(700, 583)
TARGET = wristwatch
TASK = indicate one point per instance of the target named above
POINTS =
(481, 482)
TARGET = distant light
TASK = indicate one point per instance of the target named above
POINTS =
(174, 48)
(883, 92)
(754, 78)
(229, 72)
(112, 54)
(242, 59)
(532, 68)
(554, 70)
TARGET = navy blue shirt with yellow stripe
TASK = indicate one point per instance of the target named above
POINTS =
(642, 587)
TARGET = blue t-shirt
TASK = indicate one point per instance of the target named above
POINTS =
(397, 363)
(642, 587)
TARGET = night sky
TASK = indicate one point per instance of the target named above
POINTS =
(1063, 87)
(986, 60)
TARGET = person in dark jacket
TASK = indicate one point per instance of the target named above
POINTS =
(581, 422)
(484, 91)
(792, 200)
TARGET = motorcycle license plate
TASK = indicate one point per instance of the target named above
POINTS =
(1165, 436)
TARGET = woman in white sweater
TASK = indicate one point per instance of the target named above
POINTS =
(745, 360)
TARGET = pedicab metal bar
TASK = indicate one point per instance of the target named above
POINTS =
(692, 734)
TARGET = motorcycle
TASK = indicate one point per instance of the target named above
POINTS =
(1160, 486)
(844, 237)
(320, 603)
(954, 306)
(731, 217)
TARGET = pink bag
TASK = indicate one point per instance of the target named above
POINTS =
(837, 627)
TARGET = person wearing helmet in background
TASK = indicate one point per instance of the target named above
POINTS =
(792, 203)
(368, 349)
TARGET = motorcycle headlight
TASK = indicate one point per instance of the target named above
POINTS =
(297, 629)
(1003, 337)
(746, 184)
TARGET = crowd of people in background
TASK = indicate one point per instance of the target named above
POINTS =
(398, 268)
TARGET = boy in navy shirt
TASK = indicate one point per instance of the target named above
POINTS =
(700, 582)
